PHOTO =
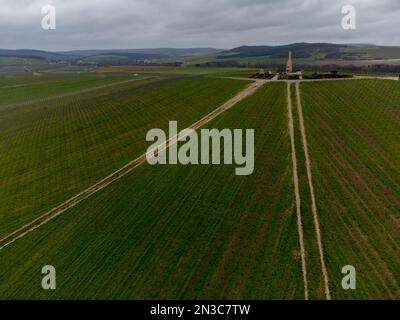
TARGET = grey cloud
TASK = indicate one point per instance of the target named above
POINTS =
(185, 23)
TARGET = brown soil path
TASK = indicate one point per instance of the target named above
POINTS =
(297, 191)
(311, 187)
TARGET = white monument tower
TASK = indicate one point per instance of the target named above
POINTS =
(289, 65)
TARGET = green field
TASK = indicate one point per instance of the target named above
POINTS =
(178, 232)
(246, 73)
(202, 71)
(26, 89)
(354, 141)
(66, 144)
(198, 232)
(159, 70)
(9, 80)
(16, 61)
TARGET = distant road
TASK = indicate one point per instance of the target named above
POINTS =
(309, 80)
(343, 79)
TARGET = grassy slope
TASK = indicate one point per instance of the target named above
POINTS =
(178, 232)
(51, 151)
(354, 137)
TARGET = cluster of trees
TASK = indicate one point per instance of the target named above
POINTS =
(262, 74)
(327, 75)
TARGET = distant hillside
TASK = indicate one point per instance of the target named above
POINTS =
(314, 52)
(299, 50)
(96, 55)
(28, 53)
(306, 56)
(118, 58)
(165, 52)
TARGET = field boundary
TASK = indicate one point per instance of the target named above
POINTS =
(102, 184)
(308, 80)
(297, 190)
(312, 193)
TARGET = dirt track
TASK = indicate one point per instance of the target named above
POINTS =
(311, 187)
(297, 191)
(310, 80)
(62, 208)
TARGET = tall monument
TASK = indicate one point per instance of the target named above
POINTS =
(289, 65)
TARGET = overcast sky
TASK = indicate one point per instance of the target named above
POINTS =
(88, 24)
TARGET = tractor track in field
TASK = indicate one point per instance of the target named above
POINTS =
(312, 193)
(16, 86)
(100, 185)
(297, 191)
(71, 94)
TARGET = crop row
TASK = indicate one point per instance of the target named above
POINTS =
(26, 89)
(170, 232)
(354, 141)
(53, 150)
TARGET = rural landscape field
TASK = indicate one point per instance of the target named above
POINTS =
(294, 195)
(188, 232)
